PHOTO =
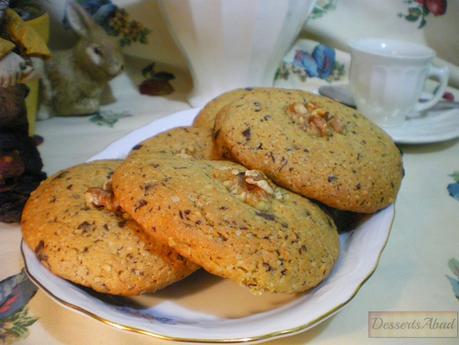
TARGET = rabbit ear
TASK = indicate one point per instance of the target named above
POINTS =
(80, 21)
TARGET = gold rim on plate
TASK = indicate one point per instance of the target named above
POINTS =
(263, 337)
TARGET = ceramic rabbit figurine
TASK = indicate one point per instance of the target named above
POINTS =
(74, 79)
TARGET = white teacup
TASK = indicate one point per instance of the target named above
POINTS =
(387, 78)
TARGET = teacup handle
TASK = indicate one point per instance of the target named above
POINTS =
(441, 73)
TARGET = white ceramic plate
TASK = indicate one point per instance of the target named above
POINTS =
(430, 127)
(205, 308)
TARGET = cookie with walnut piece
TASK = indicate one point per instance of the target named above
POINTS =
(313, 146)
(78, 231)
(233, 222)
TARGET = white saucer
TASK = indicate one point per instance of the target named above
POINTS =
(430, 127)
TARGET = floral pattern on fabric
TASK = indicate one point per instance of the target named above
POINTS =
(320, 63)
(322, 7)
(108, 118)
(453, 265)
(156, 83)
(419, 10)
(453, 188)
(116, 21)
(15, 293)
(448, 96)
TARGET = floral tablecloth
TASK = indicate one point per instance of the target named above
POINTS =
(417, 272)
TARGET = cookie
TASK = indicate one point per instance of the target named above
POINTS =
(313, 146)
(196, 142)
(206, 117)
(233, 222)
(92, 246)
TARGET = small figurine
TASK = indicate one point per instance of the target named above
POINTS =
(74, 79)
(20, 162)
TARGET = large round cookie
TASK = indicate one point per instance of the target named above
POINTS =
(91, 246)
(196, 142)
(206, 117)
(232, 221)
(313, 146)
